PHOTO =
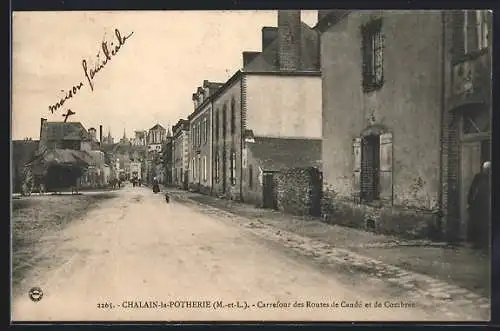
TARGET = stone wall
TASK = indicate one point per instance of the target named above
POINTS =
(298, 191)
(402, 221)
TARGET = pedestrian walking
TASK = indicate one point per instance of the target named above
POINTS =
(156, 185)
(478, 200)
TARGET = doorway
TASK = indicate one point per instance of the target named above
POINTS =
(370, 160)
(472, 155)
(475, 149)
(269, 193)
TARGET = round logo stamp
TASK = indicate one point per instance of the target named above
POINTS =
(35, 294)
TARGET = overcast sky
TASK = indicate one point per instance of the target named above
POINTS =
(151, 78)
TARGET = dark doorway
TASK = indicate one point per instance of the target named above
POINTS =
(370, 160)
(269, 193)
(315, 192)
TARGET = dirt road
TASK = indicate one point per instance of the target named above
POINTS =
(137, 248)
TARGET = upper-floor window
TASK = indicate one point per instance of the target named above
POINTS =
(233, 168)
(224, 122)
(233, 117)
(471, 31)
(475, 30)
(199, 133)
(373, 55)
(206, 130)
(217, 125)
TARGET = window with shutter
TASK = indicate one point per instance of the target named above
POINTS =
(233, 168)
(372, 46)
(216, 166)
(356, 151)
(386, 160)
(205, 168)
(370, 158)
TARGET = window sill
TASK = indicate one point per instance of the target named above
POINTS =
(372, 87)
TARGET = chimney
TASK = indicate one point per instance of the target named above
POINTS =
(248, 57)
(322, 13)
(100, 135)
(268, 35)
(42, 121)
(289, 39)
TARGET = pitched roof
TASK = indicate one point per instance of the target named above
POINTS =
(267, 60)
(274, 154)
(157, 127)
(64, 131)
(64, 157)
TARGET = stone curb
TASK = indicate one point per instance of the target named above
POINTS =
(419, 284)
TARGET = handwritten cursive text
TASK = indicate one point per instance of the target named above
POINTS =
(109, 51)
(68, 95)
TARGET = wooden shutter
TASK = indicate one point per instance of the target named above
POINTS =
(356, 152)
(386, 160)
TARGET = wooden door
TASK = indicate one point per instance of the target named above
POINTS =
(269, 200)
(469, 166)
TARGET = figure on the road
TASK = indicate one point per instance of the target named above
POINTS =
(478, 200)
(156, 185)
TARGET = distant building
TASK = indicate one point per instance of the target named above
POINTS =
(140, 138)
(168, 158)
(64, 135)
(180, 147)
(108, 140)
(156, 137)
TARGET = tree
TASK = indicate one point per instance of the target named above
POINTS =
(28, 182)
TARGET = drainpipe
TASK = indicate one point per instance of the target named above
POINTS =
(443, 123)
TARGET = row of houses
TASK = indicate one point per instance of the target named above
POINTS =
(393, 109)
(266, 117)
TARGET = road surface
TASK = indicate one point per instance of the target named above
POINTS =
(136, 248)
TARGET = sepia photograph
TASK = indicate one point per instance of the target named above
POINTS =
(251, 165)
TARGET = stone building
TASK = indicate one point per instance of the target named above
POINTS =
(200, 146)
(390, 123)
(167, 158)
(156, 137)
(140, 138)
(277, 94)
(180, 146)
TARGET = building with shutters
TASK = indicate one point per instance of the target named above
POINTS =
(277, 94)
(180, 153)
(200, 145)
(392, 149)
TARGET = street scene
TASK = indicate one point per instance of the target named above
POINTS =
(289, 165)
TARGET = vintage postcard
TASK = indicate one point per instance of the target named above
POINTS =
(287, 165)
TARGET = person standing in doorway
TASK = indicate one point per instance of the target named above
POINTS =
(478, 200)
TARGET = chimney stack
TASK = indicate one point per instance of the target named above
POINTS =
(289, 39)
(100, 135)
(42, 121)
(248, 57)
(269, 33)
